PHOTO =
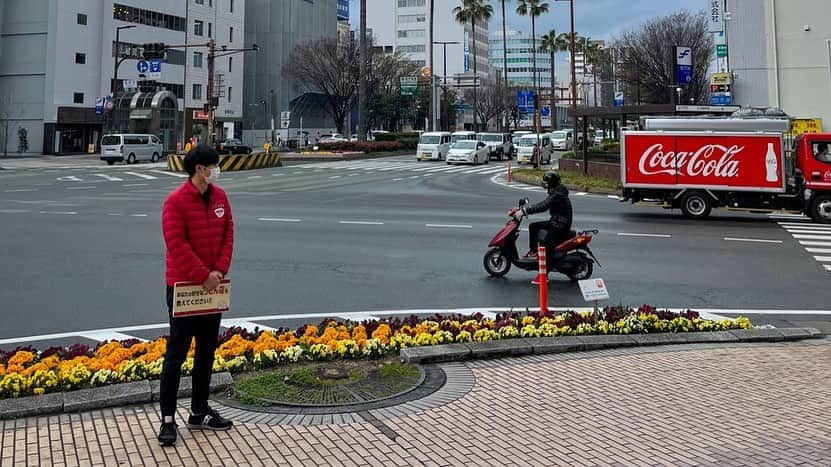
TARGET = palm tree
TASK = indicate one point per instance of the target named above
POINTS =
(472, 11)
(504, 51)
(591, 55)
(553, 43)
(534, 9)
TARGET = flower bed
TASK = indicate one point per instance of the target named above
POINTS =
(25, 371)
(365, 147)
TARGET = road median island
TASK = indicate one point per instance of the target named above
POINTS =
(572, 180)
(61, 379)
(232, 162)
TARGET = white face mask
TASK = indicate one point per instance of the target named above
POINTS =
(214, 176)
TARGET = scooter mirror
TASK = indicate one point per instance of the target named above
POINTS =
(523, 202)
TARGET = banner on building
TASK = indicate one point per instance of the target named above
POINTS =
(715, 15)
(467, 52)
(343, 10)
(800, 126)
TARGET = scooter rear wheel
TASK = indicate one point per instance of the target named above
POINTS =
(496, 263)
(585, 270)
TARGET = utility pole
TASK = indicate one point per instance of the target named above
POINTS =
(430, 65)
(446, 116)
(117, 61)
(211, 90)
(362, 77)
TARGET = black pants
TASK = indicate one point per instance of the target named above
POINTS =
(553, 234)
(204, 329)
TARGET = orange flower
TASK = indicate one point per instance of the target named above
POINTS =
(2, 370)
(382, 333)
(21, 358)
(234, 347)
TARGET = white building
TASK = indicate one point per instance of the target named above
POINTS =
(520, 59)
(779, 56)
(57, 59)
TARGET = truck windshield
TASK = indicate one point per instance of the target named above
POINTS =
(491, 138)
(429, 140)
(558, 135)
(455, 138)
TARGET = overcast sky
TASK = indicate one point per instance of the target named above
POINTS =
(598, 19)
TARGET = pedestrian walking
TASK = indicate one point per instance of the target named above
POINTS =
(198, 232)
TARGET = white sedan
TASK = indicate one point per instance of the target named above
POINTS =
(333, 138)
(468, 152)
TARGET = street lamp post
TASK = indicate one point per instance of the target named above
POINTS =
(446, 116)
(574, 85)
(117, 63)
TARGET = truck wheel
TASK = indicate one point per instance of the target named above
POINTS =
(696, 205)
(821, 209)
(110, 162)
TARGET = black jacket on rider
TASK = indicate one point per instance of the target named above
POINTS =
(558, 206)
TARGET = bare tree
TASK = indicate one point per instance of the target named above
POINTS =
(650, 57)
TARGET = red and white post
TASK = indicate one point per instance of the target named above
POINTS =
(543, 279)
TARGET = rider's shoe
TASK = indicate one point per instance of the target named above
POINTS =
(530, 255)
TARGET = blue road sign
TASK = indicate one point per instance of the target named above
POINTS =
(99, 106)
(545, 111)
(618, 99)
(683, 65)
(525, 101)
(721, 100)
(156, 68)
(142, 66)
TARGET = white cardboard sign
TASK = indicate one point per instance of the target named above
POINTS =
(594, 290)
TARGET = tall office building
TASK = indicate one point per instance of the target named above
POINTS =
(520, 59)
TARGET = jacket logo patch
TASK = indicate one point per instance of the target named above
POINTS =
(220, 212)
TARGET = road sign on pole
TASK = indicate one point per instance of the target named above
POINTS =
(721, 50)
(155, 68)
(409, 85)
(683, 64)
(618, 99)
(142, 66)
(99, 106)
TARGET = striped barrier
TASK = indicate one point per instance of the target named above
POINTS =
(231, 163)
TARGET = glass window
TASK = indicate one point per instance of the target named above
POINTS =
(465, 144)
(230, 93)
(197, 59)
(231, 34)
(78, 98)
(111, 140)
(197, 92)
(82, 19)
(80, 58)
(210, 29)
(198, 28)
(199, 2)
(403, 19)
(821, 152)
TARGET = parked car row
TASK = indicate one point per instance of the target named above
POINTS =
(457, 147)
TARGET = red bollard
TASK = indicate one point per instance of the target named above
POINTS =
(509, 171)
(543, 278)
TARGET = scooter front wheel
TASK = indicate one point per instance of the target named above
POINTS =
(496, 263)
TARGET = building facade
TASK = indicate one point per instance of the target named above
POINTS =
(277, 28)
(57, 60)
(520, 59)
(778, 53)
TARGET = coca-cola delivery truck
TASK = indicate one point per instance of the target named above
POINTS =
(742, 164)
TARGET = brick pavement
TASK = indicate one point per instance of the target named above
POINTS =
(721, 406)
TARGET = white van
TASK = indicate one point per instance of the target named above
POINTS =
(562, 140)
(462, 136)
(433, 146)
(525, 148)
(130, 148)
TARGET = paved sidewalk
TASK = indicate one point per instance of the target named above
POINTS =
(763, 404)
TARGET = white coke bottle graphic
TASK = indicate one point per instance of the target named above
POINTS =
(771, 165)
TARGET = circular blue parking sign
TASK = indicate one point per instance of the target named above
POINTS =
(142, 66)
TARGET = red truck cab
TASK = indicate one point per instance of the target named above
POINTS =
(813, 159)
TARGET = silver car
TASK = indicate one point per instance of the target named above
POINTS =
(468, 152)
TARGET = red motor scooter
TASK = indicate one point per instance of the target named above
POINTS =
(572, 257)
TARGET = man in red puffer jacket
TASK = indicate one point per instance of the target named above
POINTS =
(198, 231)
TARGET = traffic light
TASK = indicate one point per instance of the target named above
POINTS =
(154, 50)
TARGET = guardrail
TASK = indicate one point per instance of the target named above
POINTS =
(231, 162)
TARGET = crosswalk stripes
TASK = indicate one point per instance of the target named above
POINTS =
(814, 238)
(405, 166)
(121, 176)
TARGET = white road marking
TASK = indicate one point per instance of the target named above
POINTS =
(414, 176)
(272, 219)
(353, 175)
(141, 175)
(255, 176)
(60, 213)
(358, 317)
(68, 178)
(277, 175)
(582, 193)
(80, 188)
(334, 177)
(449, 226)
(811, 237)
(804, 224)
(109, 177)
(102, 336)
(613, 196)
(131, 185)
(751, 240)
(41, 184)
(22, 190)
(114, 214)
(138, 215)
(823, 259)
(624, 234)
(170, 174)
(820, 251)
(804, 243)
(397, 179)
(13, 211)
(360, 223)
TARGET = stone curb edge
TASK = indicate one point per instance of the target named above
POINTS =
(137, 392)
(575, 188)
(549, 345)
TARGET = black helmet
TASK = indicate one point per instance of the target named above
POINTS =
(550, 180)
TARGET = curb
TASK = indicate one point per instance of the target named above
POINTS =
(137, 392)
(231, 163)
(599, 191)
(343, 157)
(549, 345)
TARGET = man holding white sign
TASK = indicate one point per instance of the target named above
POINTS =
(199, 234)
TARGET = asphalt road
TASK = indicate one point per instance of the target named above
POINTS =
(82, 247)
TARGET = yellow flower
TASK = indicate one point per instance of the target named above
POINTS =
(39, 391)
(528, 320)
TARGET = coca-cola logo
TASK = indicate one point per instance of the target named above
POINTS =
(708, 160)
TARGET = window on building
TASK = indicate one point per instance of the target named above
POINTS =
(230, 64)
(231, 34)
(78, 98)
(211, 3)
(82, 19)
(197, 59)
(211, 30)
(197, 92)
(232, 6)
(404, 19)
(199, 2)
(230, 93)
(80, 58)
(410, 3)
(411, 48)
(411, 33)
(388, 49)
(199, 28)
(147, 17)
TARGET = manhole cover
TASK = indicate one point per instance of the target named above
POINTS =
(328, 384)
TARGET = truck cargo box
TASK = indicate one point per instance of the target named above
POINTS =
(719, 161)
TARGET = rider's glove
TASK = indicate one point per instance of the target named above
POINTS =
(519, 214)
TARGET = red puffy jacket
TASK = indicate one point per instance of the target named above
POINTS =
(199, 237)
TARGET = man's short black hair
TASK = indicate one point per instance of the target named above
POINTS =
(200, 155)
(822, 146)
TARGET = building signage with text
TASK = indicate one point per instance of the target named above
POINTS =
(715, 15)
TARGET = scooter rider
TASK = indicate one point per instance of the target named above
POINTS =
(558, 227)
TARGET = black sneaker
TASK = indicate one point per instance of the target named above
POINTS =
(167, 434)
(210, 420)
